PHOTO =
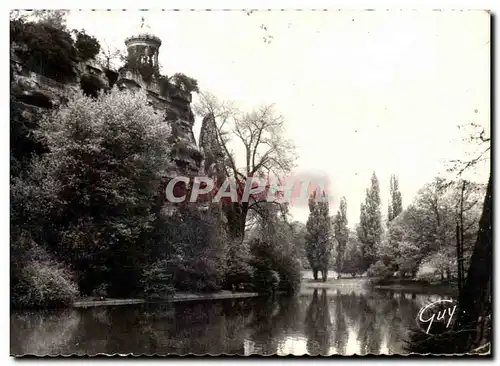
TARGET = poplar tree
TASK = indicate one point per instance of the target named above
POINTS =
(319, 238)
(370, 226)
(395, 201)
(341, 234)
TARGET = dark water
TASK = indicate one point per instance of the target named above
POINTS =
(316, 322)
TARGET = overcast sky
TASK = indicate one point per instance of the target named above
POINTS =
(360, 91)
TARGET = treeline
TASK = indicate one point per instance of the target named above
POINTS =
(438, 230)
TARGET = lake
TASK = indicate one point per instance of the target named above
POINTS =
(316, 322)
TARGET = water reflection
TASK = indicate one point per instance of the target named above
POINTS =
(318, 325)
(320, 322)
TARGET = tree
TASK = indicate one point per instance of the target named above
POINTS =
(475, 297)
(106, 155)
(54, 18)
(195, 247)
(379, 269)
(184, 82)
(353, 260)
(16, 14)
(467, 197)
(431, 220)
(395, 202)
(299, 240)
(476, 294)
(260, 134)
(46, 49)
(239, 270)
(319, 238)
(87, 46)
(389, 250)
(276, 258)
(111, 57)
(471, 329)
(341, 234)
(427, 230)
(370, 225)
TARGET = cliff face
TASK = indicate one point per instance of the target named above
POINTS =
(175, 103)
(213, 152)
(33, 94)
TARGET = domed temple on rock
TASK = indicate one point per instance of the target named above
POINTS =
(142, 71)
(145, 44)
(36, 93)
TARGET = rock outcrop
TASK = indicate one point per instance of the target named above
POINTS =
(33, 94)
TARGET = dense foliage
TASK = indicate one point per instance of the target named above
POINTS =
(320, 242)
(352, 261)
(86, 180)
(185, 83)
(275, 258)
(87, 46)
(194, 245)
(88, 200)
(37, 279)
(157, 280)
(48, 48)
(427, 240)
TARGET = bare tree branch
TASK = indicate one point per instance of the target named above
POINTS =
(261, 135)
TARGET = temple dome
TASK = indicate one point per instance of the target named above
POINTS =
(143, 33)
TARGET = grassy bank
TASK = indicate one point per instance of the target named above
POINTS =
(395, 284)
(178, 297)
(414, 286)
(344, 285)
(334, 283)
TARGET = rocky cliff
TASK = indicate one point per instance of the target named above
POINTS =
(33, 94)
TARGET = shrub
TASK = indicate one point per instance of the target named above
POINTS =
(165, 85)
(273, 250)
(266, 280)
(43, 284)
(239, 272)
(157, 280)
(87, 47)
(185, 83)
(101, 291)
(194, 243)
(289, 271)
(379, 269)
(196, 273)
(274, 269)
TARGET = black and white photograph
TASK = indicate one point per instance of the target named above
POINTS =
(244, 182)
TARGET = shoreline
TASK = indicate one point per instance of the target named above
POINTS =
(420, 289)
(307, 285)
(178, 297)
(365, 283)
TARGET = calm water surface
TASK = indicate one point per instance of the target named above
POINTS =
(318, 321)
